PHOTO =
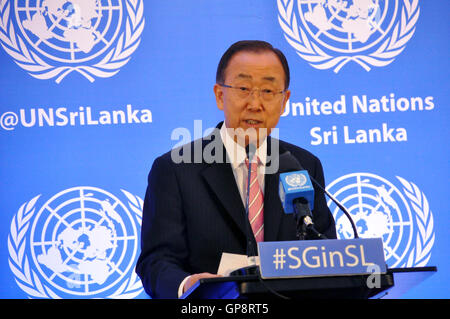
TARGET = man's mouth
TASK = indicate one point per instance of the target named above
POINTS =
(252, 122)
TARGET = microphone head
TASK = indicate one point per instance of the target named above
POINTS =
(250, 149)
(288, 163)
(294, 185)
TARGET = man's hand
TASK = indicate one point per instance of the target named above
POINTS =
(195, 277)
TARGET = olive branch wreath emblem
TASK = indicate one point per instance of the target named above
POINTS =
(110, 65)
(421, 252)
(385, 54)
(28, 280)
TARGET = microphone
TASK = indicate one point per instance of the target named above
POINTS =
(288, 163)
(250, 149)
(295, 163)
(297, 196)
(252, 267)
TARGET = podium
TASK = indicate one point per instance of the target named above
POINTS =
(392, 284)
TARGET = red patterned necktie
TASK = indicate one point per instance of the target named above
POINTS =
(255, 203)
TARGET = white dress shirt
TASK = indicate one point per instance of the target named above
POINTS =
(237, 155)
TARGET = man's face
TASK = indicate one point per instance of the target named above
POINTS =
(254, 70)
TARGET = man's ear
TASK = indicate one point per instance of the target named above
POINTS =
(218, 92)
(287, 95)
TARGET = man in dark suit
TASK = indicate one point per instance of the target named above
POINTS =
(194, 210)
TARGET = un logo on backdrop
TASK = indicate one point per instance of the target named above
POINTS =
(80, 243)
(403, 219)
(331, 33)
(52, 38)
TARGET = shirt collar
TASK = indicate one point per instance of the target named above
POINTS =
(236, 153)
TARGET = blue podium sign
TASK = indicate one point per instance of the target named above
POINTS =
(304, 258)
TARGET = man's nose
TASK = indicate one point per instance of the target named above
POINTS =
(255, 101)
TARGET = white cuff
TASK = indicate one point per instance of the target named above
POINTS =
(180, 288)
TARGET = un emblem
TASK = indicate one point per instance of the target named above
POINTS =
(403, 219)
(331, 33)
(81, 243)
(51, 39)
(296, 180)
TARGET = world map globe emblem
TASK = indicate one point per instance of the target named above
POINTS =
(70, 31)
(53, 38)
(83, 242)
(348, 26)
(331, 33)
(379, 210)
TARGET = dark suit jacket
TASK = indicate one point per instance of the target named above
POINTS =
(193, 212)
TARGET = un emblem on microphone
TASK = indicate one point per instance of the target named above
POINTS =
(51, 38)
(331, 33)
(296, 180)
(81, 243)
(402, 218)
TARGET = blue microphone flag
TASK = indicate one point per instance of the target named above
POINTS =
(295, 185)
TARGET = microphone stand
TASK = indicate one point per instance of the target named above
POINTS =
(252, 269)
(305, 225)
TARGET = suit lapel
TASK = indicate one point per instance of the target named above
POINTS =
(220, 179)
(273, 210)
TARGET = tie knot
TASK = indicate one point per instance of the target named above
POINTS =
(255, 163)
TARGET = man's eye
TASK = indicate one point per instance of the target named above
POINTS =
(244, 89)
(267, 91)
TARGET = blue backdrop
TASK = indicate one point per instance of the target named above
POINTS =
(91, 92)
